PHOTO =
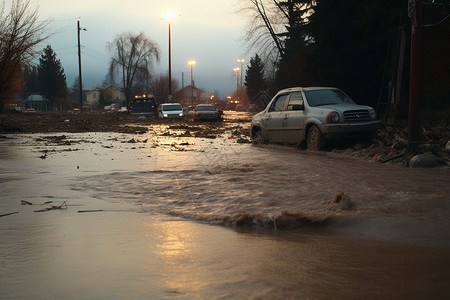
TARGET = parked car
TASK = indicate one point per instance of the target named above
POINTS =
(30, 110)
(312, 115)
(206, 112)
(170, 111)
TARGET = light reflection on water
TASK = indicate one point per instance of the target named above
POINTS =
(145, 245)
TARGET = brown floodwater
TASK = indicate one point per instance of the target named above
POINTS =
(192, 218)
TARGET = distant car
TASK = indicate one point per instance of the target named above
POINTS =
(170, 111)
(312, 114)
(206, 112)
(30, 110)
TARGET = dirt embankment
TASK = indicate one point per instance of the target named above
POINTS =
(112, 122)
(388, 145)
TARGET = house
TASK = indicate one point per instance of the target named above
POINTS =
(36, 101)
(105, 96)
(191, 96)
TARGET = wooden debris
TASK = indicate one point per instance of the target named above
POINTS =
(92, 210)
(63, 205)
(23, 202)
(4, 215)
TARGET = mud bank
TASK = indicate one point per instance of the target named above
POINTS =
(388, 145)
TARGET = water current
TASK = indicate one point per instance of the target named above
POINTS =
(193, 218)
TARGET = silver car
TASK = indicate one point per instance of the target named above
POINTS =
(312, 115)
(170, 111)
(206, 112)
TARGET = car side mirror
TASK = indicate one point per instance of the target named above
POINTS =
(298, 107)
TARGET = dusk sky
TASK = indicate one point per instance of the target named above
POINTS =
(208, 31)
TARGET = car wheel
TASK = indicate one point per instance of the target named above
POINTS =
(315, 141)
(258, 138)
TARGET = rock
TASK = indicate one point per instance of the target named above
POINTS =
(426, 160)
(447, 146)
(344, 201)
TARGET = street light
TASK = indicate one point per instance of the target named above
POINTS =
(191, 63)
(168, 19)
(241, 61)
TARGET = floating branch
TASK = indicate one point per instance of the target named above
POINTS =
(4, 215)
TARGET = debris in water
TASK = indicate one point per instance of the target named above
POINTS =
(23, 202)
(344, 201)
(8, 214)
(53, 207)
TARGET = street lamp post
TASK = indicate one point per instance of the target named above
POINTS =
(168, 19)
(241, 61)
(79, 65)
(170, 69)
(237, 78)
(191, 63)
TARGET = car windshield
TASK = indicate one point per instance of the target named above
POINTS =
(326, 97)
(206, 108)
(171, 107)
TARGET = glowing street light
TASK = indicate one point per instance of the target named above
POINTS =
(192, 63)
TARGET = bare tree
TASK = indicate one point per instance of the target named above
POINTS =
(271, 22)
(160, 87)
(130, 54)
(20, 33)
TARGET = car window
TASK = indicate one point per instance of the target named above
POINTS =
(278, 104)
(206, 108)
(171, 107)
(326, 97)
(295, 99)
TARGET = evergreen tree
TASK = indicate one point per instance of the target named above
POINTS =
(75, 91)
(254, 77)
(349, 43)
(52, 80)
(31, 80)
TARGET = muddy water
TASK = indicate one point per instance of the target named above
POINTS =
(191, 218)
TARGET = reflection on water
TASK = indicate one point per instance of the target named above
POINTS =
(285, 236)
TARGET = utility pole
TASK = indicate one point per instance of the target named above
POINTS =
(415, 14)
(170, 68)
(79, 64)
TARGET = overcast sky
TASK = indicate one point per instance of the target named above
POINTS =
(208, 31)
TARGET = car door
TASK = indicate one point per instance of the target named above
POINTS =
(295, 118)
(274, 119)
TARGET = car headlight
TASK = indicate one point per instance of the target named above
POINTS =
(180, 114)
(372, 114)
(165, 115)
(333, 117)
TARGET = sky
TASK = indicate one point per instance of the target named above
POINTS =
(207, 31)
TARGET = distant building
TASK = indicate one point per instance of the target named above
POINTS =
(191, 96)
(36, 101)
(100, 95)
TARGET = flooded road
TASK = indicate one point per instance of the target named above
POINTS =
(192, 218)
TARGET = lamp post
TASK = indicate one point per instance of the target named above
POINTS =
(79, 64)
(191, 63)
(170, 69)
(237, 78)
(241, 61)
(168, 19)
